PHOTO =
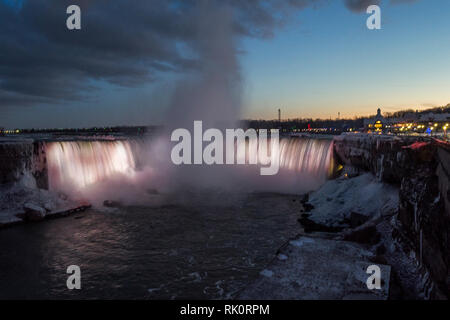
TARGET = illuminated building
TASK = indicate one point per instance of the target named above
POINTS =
(376, 123)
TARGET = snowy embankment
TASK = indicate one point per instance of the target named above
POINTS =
(347, 226)
(314, 268)
(344, 202)
(22, 200)
(23, 184)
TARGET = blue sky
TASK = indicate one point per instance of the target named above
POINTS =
(326, 61)
(323, 61)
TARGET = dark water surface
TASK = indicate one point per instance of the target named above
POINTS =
(197, 250)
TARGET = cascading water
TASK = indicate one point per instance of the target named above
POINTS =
(306, 155)
(77, 164)
(297, 154)
(304, 165)
(74, 165)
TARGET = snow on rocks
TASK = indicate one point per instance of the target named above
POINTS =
(22, 200)
(266, 273)
(34, 212)
(346, 201)
(318, 269)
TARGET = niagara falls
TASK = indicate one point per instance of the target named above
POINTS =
(193, 159)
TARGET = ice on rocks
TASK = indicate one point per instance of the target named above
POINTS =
(337, 199)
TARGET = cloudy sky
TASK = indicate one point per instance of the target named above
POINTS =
(311, 58)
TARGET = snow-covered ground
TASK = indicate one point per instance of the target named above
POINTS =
(14, 196)
(314, 268)
(337, 199)
(332, 265)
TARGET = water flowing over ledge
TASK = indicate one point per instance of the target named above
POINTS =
(76, 164)
(81, 163)
(420, 170)
(309, 155)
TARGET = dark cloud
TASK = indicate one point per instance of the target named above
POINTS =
(360, 5)
(124, 42)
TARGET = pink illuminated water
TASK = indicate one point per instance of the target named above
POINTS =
(312, 156)
(301, 155)
(77, 164)
(74, 165)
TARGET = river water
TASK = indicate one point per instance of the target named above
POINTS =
(210, 248)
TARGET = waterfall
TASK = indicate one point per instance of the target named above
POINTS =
(297, 154)
(77, 164)
(74, 165)
(307, 155)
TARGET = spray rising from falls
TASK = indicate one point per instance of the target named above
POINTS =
(77, 164)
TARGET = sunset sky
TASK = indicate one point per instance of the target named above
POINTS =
(311, 59)
(327, 61)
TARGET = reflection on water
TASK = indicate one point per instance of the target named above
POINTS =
(177, 251)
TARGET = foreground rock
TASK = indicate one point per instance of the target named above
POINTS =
(350, 202)
(352, 223)
(34, 212)
(112, 204)
(315, 268)
(421, 168)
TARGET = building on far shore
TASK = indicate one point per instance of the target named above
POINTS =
(430, 123)
(376, 123)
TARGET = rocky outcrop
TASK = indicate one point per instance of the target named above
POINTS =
(315, 268)
(39, 169)
(443, 174)
(34, 212)
(384, 156)
(19, 158)
(420, 167)
(16, 158)
(424, 214)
